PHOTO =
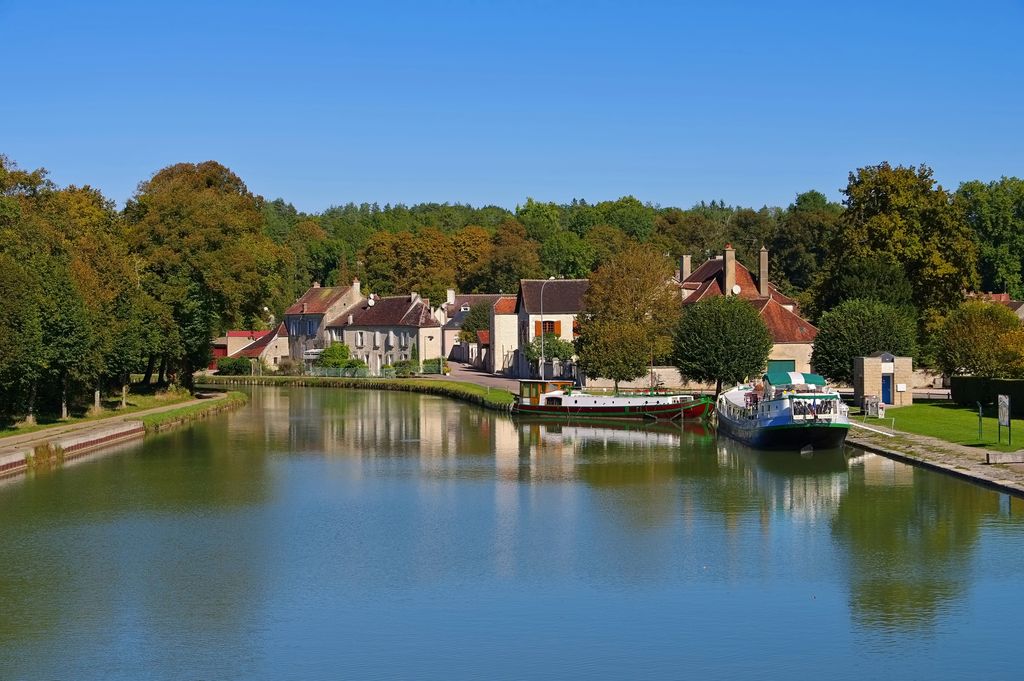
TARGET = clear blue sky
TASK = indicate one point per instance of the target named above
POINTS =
(480, 102)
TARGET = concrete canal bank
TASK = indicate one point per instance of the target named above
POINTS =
(991, 469)
(50, 447)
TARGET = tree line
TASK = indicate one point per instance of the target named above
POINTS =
(93, 293)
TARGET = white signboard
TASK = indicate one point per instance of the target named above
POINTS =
(901, 387)
(1004, 410)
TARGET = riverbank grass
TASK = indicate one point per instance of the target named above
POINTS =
(192, 412)
(953, 423)
(111, 407)
(491, 398)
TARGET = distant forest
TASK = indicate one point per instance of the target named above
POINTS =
(92, 293)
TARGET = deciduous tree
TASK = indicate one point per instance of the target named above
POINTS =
(721, 339)
(859, 328)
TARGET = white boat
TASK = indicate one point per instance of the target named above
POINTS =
(560, 399)
(786, 410)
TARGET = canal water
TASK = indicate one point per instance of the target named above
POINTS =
(351, 534)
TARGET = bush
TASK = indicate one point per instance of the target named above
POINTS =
(289, 367)
(434, 366)
(234, 366)
(404, 368)
(967, 391)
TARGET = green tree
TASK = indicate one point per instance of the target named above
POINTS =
(334, 356)
(553, 348)
(541, 220)
(859, 328)
(801, 241)
(978, 338)
(902, 213)
(472, 246)
(567, 255)
(628, 214)
(629, 313)
(721, 339)
(879, 277)
(995, 213)
(477, 319)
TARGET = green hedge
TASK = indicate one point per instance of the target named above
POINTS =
(969, 390)
(234, 366)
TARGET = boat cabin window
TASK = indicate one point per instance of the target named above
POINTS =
(553, 401)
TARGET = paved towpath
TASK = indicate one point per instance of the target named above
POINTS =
(960, 460)
(470, 374)
(16, 443)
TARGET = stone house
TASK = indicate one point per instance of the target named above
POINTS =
(270, 348)
(792, 335)
(546, 306)
(453, 313)
(306, 319)
(384, 330)
(503, 336)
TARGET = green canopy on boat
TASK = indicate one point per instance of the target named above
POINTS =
(793, 378)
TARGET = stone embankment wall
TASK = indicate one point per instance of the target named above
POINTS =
(67, 447)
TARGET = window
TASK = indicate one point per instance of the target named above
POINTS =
(548, 327)
(359, 339)
(376, 339)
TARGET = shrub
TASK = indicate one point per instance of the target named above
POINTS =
(233, 366)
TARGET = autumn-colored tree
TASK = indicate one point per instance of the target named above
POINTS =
(629, 314)
(979, 338)
(472, 246)
(197, 229)
(902, 213)
(513, 257)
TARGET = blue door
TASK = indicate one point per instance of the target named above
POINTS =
(887, 388)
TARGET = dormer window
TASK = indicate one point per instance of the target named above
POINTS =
(464, 308)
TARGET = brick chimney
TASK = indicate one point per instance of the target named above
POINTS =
(762, 273)
(355, 288)
(730, 269)
(450, 299)
(316, 284)
(684, 267)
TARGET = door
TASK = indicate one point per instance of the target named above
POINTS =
(887, 388)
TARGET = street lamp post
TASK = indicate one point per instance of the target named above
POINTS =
(543, 356)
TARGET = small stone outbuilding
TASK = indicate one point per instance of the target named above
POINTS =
(885, 376)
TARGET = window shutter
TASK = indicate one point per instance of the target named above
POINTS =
(558, 329)
(537, 329)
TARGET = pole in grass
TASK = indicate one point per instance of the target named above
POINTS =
(979, 421)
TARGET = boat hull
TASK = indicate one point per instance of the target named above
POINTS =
(699, 408)
(637, 411)
(794, 436)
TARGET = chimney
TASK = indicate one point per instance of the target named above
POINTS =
(316, 284)
(730, 269)
(355, 287)
(304, 305)
(451, 296)
(351, 320)
(684, 267)
(762, 273)
(413, 297)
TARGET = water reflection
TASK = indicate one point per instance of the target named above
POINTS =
(320, 509)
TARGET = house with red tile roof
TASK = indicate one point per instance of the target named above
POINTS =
(306, 319)
(547, 306)
(503, 336)
(230, 343)
(792, 335)
(270, 348)
(384, 330)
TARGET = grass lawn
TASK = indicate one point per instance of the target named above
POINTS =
(952, 423)
(111, 407)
